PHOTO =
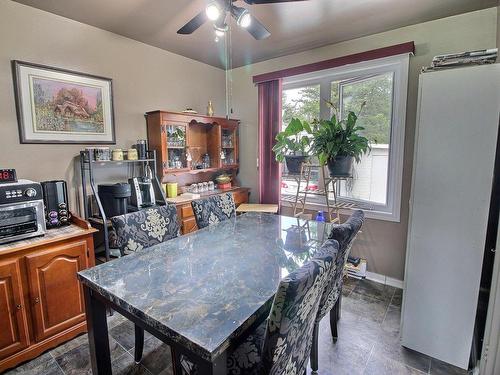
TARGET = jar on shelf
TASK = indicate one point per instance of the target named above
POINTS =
(117, 154)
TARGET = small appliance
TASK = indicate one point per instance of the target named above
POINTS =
(114, 198)
(55, 198)
(21, 209)
(143, 194)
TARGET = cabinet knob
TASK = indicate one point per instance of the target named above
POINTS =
(37, 300)
(18, 306)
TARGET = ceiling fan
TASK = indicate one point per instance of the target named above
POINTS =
(217, 12)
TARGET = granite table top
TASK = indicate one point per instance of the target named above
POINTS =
(204, 289)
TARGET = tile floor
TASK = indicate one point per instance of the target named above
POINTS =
(368, 343)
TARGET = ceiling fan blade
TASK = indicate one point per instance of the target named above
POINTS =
(258, 30)
(251, 2)
(194, 24)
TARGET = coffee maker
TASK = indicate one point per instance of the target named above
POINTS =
(143, 194)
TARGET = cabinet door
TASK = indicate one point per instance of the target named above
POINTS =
(13, 331)
(189, 225)
(55, 293)
(240, 197)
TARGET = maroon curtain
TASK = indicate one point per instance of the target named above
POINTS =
(269, 126)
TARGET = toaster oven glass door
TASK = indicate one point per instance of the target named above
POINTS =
(21, 220)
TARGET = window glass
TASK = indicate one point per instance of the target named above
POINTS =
(370, 175)
(302, 103)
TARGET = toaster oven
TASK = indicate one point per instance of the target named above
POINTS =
(21, 211)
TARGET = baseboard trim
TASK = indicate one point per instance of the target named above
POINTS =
(386, 280)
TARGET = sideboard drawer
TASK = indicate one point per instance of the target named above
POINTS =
(186, 211)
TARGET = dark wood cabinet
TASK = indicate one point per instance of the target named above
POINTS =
(13, 323)
(41, 300)
(56, 296)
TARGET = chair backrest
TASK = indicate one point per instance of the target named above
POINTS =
(344, 234)
(145, 228)
(288, 339)
(214, 209)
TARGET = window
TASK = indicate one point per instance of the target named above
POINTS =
(376, 182)
(304, 103)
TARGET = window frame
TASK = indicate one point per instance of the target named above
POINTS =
(399, 66)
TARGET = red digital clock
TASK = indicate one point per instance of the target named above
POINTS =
(7, 175)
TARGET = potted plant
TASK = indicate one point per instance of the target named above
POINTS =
(292, 144)
(337, 142)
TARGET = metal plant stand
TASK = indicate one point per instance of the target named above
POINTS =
(330, 185)
(87, 165)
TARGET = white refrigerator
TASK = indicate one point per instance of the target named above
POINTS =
(455, 144)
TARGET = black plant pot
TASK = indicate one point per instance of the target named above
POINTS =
(341, 166)
(294, 163)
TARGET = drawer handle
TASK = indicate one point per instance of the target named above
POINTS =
(37, 300)
(18, 306)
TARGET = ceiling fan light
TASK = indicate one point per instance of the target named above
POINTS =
(245, 19)
(213, 11)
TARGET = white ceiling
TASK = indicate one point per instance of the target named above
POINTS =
(295, 27)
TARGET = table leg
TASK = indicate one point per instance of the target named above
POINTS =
(97, 327)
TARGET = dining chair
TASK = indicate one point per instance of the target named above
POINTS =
(142, 229)
(145, 228)
(331, 298)
(282, 343)
(213, 210)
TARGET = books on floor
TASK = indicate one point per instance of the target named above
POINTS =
(358, 272)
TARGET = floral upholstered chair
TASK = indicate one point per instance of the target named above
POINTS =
(142, 229)
(330, 301)
(281, 344)
(145, 228)
(213, 210)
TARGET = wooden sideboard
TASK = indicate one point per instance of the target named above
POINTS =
(41, 300)
(186, 215)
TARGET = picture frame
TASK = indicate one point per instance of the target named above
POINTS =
(60, 106)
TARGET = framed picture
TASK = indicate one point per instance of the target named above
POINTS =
(61, 106)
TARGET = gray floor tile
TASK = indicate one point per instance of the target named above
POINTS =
(125, 365)
(380, 365)
(345, 356)
(365, 305)
(392, 320)
(441, 368)
(156, 356)
(77, 360)
(124, 333)
(44, 364)
(397, 298)
(67, 346)
(390, 347)
(375, 290)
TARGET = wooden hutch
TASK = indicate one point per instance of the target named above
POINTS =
(183, 141)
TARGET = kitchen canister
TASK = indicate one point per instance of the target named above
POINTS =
(132, 154)
(117, 154)
(171, 189)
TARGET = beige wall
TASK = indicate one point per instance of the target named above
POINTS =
(382, 243)
(144, 78)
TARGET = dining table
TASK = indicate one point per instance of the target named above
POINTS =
(201, 293)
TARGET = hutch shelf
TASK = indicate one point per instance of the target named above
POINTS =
(191, 143)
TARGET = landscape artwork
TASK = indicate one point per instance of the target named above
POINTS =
(61, 106)
(66, 107)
